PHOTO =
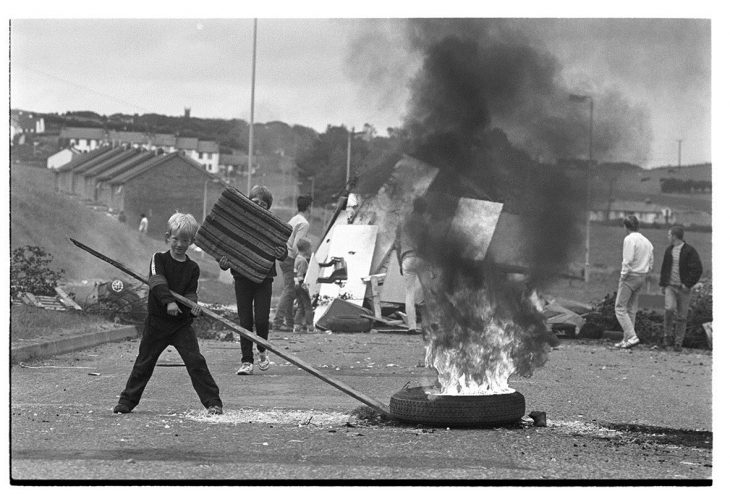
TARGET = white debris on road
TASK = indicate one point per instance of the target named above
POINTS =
(276, 416)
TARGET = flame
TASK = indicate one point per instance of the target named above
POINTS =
(477, 337)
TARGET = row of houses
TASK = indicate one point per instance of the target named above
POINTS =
(82, 139)
(139, 181)
(649, 212)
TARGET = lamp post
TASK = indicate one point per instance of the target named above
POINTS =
(349, 154)
(250, 123)
(580, 98)
(205, 194)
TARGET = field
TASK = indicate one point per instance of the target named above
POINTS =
(606, 245)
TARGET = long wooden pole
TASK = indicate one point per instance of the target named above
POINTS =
(244, 333)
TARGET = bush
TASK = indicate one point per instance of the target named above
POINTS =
(649, 325)
(30, 271)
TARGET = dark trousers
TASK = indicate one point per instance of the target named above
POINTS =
(284, 311)
(304, 313)
(152, 345)
(254, 304)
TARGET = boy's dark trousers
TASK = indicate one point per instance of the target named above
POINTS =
(254, 304)
(152, 345)
(304, 307)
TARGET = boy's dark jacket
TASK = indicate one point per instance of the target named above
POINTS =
(690, 266)
(168, 274)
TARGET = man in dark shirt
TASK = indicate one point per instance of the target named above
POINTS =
(169, 324)
(681, 270)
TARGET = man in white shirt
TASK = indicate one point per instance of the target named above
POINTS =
(638, 261)
(284, 318)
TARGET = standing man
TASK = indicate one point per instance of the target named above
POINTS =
(411, 238)
(638, 261)
(284, 318)
(681, 270)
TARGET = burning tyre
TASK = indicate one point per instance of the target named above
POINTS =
(419, 405)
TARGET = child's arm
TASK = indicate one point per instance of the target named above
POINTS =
(191, 290)
(158, 286)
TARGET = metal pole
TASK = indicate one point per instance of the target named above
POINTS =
(349, 152)
(679, 153)
(312, 192)
(588, 195)
(205, 198)
(250, 123)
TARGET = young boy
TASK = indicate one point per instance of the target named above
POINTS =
(169, 323)
(304, 300)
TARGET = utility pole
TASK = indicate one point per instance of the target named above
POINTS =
(349, 153)
(679, 153)
(250, 123)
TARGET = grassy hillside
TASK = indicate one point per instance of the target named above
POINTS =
(638, 185)
(40, 216)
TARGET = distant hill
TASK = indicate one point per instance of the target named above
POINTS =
(638, 184)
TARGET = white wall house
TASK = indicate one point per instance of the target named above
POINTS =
(60, 158)
(207, 153)
(23, 122)
(82, 138)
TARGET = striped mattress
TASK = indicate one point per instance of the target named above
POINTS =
(248, 235)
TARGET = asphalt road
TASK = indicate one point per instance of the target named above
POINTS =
(612, 414)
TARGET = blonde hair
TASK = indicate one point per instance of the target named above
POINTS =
(182, 223)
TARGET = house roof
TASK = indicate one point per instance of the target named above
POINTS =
(186, 143)
(72, 150)
(163, 140)
(125, 165)
(113, 152)
(82, 158)
(207, 147)
(150, 164)
(105, 164)
(233, 159)
(131, 137)
(81, 133)
(631, 206)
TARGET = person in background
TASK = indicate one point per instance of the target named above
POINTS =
(411, 237)
(638, 261)
(304, 317)
(681, 270)
(253, 299)
(122, 217)
(353, 200)
(143, 224)
(284, 317)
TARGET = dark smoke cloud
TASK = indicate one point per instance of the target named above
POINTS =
(523, 92)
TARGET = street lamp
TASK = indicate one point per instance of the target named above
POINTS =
(250, 123)
(205, 194)
(581, 98)
(367, 133)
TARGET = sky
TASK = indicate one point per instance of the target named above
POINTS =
(307, 73)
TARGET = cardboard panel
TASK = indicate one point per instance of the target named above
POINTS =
(355, 244)
(475, 221)
(394, 284)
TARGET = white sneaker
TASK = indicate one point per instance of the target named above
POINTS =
(245, 369)
(631, 342)
(264, 361)
(620, 344)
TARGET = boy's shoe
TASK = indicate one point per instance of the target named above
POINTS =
(620, 344)
(245, 369)
(215, 410)
(631, 342)
(298, 328)
(264, 361)
(310, 329)
(122, 408)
